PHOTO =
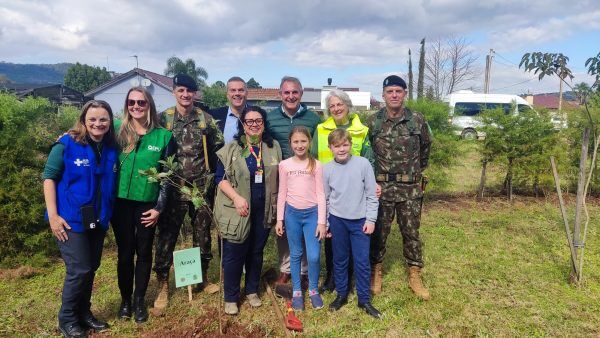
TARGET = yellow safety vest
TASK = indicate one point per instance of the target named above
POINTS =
(357, 130)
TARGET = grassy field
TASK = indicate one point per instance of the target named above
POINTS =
(493, 268)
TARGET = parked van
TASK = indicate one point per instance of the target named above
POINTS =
(465, 105)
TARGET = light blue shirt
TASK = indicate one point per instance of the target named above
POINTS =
(231, 126)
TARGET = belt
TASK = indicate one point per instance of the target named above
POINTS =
(404, 178)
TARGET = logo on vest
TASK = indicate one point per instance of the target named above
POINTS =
(153, 148)
(85, 162)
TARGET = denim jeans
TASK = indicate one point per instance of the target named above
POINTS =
(300, 225)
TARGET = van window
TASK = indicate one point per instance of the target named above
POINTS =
(468, 108)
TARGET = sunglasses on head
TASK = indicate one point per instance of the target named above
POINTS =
(141, 103)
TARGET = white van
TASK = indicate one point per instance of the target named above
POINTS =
(465, 105)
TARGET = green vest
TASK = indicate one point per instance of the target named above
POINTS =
(232, 226)
(357, 130)
(132, 185)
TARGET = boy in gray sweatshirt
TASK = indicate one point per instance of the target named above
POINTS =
(349, 184)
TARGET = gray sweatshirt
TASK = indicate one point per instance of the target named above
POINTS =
(350, 189)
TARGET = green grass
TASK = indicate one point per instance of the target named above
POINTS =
(493, 268)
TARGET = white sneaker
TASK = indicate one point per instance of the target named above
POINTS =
(253, 300)
(231, 308)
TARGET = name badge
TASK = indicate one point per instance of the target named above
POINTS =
(258, 176)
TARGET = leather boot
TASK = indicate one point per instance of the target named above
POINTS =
(329, 284)
(162, 299)
(376, 278)
(416, 283)
(140, 313)
(125, 309)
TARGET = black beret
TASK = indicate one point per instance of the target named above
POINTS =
(394, 80)
(186, 81)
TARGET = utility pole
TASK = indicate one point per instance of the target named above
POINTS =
(488, 71)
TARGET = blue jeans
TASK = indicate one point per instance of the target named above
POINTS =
(81, 253)
(299, 224)
(348, 238)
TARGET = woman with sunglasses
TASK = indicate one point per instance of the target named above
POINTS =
(246, 204)
(79, 185)
(139, 201)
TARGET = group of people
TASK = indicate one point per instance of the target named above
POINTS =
(340, 181)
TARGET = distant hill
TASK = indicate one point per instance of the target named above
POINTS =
(34, 73)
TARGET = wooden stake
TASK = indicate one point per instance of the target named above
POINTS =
(563, 211)
(580, 188)
(277, 309)
(189, 293)
(482, 180)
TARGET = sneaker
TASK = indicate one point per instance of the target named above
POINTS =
(298, 302)
(231, 308)
(316, 301)
(253, 300)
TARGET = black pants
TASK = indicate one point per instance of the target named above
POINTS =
(248, 255)
(133, 238)
(81, 253)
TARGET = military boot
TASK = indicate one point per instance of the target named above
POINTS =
(416, 283)
(376, 278)
(162, 299)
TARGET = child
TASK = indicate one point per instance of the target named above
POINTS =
(350, 192)
(301, 203)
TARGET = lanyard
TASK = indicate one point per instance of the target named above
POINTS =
(257, 157)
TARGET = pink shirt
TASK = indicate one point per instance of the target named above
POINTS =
(299, 188)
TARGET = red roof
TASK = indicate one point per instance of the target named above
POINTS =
(263, 94)
(550, 101)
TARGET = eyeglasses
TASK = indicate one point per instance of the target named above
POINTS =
(258, 122)
(141, 103)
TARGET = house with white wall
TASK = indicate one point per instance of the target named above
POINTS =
(114, 91)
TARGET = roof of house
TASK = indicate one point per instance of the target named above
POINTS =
(161, 80)
(264, 94)
(550, 101)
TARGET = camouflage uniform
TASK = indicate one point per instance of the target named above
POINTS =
(401, 146)
(190, 155)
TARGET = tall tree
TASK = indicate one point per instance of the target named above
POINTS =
(253, 83)
(449, 63)
(177, 66)
(4, 79)
(83, 78)
(420, 81)
(410, 77)
(582, 91)
(215, 95)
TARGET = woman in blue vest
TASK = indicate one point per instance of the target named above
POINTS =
(139, 202)
(338, 106)
(79, 190)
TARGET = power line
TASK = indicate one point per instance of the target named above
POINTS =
(512, 85)
(507, 60)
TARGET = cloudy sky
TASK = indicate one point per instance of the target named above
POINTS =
(355, 42)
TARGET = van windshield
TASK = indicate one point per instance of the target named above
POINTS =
(475, 108)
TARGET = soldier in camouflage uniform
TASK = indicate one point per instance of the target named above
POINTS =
(401, 141)
(189, 124)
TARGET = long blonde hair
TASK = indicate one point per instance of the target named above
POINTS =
(127, 136)
(312, 163)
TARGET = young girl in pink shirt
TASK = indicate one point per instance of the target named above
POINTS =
(301, 204)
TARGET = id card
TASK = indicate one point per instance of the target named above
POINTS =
(258, 176)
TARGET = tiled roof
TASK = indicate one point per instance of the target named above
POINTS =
(161, 80)
(264, 94)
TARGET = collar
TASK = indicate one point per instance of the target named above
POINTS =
(230, 111)
(301, 109)
(193, 115)
(404, 117)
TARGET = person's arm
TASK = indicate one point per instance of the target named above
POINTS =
(57, 223)
(425, 144)
(371, 199)
(314, 146)
(214, 140)
(321, 204)
(367, 152)
(281, 196)
(150, 217)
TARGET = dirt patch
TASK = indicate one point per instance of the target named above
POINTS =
(207, 325)
(21, 272)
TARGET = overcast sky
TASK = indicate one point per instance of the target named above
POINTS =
(357, 43)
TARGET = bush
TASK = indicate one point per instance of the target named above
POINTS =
(27, 131)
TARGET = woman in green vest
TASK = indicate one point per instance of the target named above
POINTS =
(139, 202)
(338, 107)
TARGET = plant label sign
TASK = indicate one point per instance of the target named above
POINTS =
(188, 269)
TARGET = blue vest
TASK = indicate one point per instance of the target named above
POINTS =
(78, 185)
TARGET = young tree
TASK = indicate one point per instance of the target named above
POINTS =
(420, 80)
(177, 66)
(83, 78)
(253, 83)
(449, 63)
(410, 77)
